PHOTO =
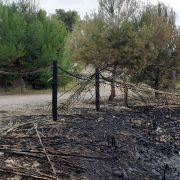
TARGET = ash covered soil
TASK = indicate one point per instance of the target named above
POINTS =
(139, 142)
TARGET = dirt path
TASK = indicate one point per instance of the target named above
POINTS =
(14, 102)
(17, 105)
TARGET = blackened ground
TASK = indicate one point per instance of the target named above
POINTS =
(140, 142)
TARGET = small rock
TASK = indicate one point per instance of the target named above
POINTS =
(159, 130)
(117, 172)
(155, 172)
(124, 151)
(138, 156)
(125, 108)
(100, 119)
(10, 163)
(120, 174)
(148, 124)
(165, 138)
(25, 165)
(130, 170)
(36, 164)
(138, 122)
(1, 154)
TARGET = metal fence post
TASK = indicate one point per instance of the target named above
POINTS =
(54, 90)
(97, 87)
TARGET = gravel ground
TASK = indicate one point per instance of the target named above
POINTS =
(17, 102)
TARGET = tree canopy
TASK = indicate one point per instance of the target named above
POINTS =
(100, 41)
(69, 18)
(142, 41)
(28, 38)
(139, 41)
(159, 22)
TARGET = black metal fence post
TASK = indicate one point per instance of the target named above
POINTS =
(54, 90)
(97, 87)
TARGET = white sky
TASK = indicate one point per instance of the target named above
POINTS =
(87, 6)
(83, 6)
(175, 4)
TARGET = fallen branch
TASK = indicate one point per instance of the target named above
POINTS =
(40, 140)
(34, 152)
(12, 128)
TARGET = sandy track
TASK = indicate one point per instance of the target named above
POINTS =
(27, 102)
(14, 102)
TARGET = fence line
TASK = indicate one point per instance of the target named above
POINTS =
(97, 77)
(75, 75)
(25, 73)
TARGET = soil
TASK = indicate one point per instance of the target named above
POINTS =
(138, 143)
(22, 102)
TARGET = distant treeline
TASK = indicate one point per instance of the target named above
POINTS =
(29, 40)
(141, 42)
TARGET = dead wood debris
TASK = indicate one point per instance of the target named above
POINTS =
(137, 142)
(45, 152)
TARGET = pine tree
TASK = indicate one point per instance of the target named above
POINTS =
(28, 39)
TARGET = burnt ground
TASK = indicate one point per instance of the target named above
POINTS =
(140, 142)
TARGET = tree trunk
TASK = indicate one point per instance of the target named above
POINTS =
(125, 96)
(22, 84)
(174, 79)
(113, 90)
(125, 91)
(156, 83)
(14, 83)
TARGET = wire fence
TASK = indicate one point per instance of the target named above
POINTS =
(85, 92)
(25, 73)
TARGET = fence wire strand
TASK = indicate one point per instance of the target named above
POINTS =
(25, 73)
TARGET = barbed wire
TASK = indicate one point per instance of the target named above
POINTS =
(25, 73)
(137, 89)
(75, 75)
(129, 85)
(86, 79)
